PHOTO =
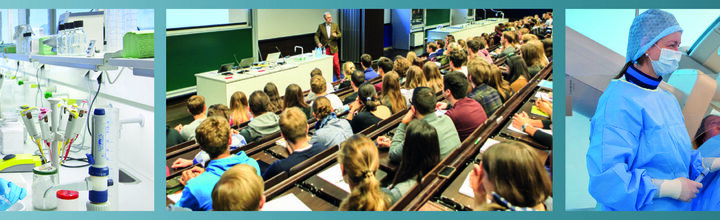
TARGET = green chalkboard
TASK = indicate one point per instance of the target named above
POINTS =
(196, 53)
(437, 16)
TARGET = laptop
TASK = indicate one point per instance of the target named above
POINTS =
(272, 58)
(246, 63)
(226, 69)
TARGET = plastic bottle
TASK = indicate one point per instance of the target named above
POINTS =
(80, 39)
(11, 135)
(69, 30)
(67, 200)
(59, 39)
(27, 38)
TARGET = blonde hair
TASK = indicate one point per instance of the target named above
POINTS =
(213, 136)
(360, 159)
(415, 78)
(411, 56)
(432, 76)
(239, 107)
(293, 124)
(348, 69)
(317, 84)
(533, 53)
(391, 90)
(527, 190)
(322, 107)
(401, 65)
(528, 37)
(239, 189)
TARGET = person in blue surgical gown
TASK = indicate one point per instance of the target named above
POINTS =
(640, 155)
(708, 140)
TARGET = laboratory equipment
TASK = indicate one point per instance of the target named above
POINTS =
(60, 38)
(44, 177)
(68, 200)
(69, 38)
(11, 135)
(19, 163)
(98, 182)
(79, 39)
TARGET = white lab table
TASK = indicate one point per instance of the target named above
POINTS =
(131, 196)
(217, 88)
(463, 31)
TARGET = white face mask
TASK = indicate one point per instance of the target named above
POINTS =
(667, 62)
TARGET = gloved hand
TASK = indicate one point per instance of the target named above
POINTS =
(712, 163)
(10, 194)
(679, 188)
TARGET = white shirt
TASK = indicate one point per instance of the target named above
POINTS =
(327, 28)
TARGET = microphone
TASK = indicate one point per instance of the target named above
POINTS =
(278, 49)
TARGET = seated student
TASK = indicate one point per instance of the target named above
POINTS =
(547, 45)
(528, 189)
(213, 136)
(450, 48)
(367, 109)
(433, 76)
(317, 88)
(239, 109)
(457, 60)
(294, 98)
(526, 37)
(517, 72)
(385, 65)
(431, 49)
(499, 84)
(415, 78)
(239, 189)
(196, 107)
(359, 159)
(329, 130)
(523, 122)
(264, 122)
(480, 75)
(275, 104)
(348, 68)
(294, 129)
(423, 108)
(328, 86)
(466, 113)
(172, 137)
(508, 41)
(391, 96)
(357, 79)
(366, 62)
(401, 66)
(478, 48)
(534, 56)
(420, 154)
(441, 49)
(236, 140)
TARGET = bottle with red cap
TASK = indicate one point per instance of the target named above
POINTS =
(68, 200)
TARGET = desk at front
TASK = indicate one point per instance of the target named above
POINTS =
(217, 88)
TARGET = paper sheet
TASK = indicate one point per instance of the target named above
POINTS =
(543, 95)
(545, 84)
(537, 111)
(515, 129)
(465, 189)
(288, 202)
(489, 143)
(334, 176)
(175, 197)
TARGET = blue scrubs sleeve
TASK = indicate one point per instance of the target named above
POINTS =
(696, 167)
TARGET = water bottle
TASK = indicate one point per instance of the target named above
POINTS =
(323, 51)
(69, 31)
(27, 38)
(80, 39)
(59, 39)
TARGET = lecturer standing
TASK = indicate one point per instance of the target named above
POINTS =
(327, 35)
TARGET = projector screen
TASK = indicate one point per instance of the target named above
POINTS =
(276, 23)
(191, 18)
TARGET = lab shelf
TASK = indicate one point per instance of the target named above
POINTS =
(91, 63)
(15, 56)
(140, 67)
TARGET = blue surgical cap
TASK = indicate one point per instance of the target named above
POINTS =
(647, 28)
